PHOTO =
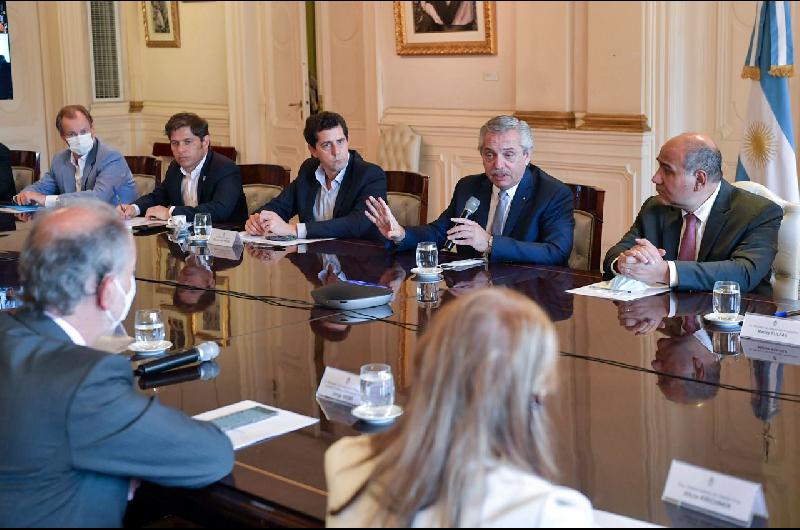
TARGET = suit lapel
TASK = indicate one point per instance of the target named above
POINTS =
(202, 177)
(483, 194)
(87, 179)
(716, 220)
(673, 222)
(306, 206)
(347, 183)
(524, 193)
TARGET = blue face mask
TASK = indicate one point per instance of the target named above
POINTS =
(129, 296)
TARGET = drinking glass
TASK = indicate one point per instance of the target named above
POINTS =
(727, 300)
(428, 293)
(427, 255)
(202, 226)
(148, 327)
(377, 388)
(725, 343)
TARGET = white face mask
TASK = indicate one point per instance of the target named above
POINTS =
(129, 296)
(81, 144)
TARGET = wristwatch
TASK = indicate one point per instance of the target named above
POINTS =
(489, 247)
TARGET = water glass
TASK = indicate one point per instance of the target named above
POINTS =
(427, 255)
(149, 327)
(725, 343)
(202, 226)
(727, 300)
(428, 293)
(377, 388)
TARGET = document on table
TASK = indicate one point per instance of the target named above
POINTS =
(602, 290)
(261, 240)
(463, 264)
(249, 422)
(613, 520)
(14, 208)
(143, 221)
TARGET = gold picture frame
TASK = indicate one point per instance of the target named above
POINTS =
(214, 323)
(467, 28)
(161, 24)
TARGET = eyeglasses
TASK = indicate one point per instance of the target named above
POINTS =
(509, 156)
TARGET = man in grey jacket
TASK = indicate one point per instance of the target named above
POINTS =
(75, 433)
(88, 168)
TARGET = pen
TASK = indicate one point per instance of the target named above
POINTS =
(787, 313)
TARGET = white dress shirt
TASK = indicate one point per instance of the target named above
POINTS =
(52, 200)
(188, 187)
(493, 205)
(702, 212)
(326, 198)
(73, 334)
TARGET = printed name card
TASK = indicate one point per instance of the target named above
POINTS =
(341, 386)
(771, 352)
(770, 328)
(224, 238)
(722, 496)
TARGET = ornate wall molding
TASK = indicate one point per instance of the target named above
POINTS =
(544, 119)
(614, 122)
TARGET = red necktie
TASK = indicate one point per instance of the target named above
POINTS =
(688, 241)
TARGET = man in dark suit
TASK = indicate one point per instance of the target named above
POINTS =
(197, 181)
(525, 215)
(698, 229)
(75, 433)
(330, 192)
(7, 186)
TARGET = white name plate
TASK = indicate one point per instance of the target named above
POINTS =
(772, 329)
(224, 238)
(771, 352)
(341, 386)
(722, 496)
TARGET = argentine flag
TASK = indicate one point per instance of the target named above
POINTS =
(768, 150)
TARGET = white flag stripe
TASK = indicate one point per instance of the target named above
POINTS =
(757, 33)
(781, 20)
(780, 173)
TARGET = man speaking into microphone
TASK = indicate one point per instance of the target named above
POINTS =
(524, 214)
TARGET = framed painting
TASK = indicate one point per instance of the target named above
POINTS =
(445, 28)
(214, 323)
(161, 24)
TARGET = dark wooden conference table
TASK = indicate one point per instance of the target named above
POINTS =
(635, 390)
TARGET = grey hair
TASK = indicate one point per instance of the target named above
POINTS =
(505, 123)
(700, 155)
(56, 267)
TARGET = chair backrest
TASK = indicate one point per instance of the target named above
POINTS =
(399, 149)
(408, 197)
(25, 168)
(588, 232)
(146, 173)
(262, 183)
(786, 266)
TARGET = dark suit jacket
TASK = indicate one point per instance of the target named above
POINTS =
(361, 179)
(219, 192)
(74, 432)
(7, 187)
(539, 227)
(739, 242)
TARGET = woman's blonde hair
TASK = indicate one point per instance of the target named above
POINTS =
(481, 367)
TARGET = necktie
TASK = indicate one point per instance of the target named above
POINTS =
(500, 214)
(687, 251)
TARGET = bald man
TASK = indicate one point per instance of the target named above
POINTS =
(75, 432)
(698, 229)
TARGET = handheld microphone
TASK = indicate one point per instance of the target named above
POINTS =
(469, 208)
(200, 353)
(203, 371)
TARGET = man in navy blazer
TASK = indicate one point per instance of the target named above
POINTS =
(88, 169)
(197, 181)
(330, 192)
(76, 435)
(524, 216)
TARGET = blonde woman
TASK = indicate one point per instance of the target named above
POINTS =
(471, 449)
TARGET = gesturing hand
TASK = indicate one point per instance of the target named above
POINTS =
(381, 216)
(469, 233)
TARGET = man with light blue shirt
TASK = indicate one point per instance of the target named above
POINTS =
(330, 192)
(87, 169)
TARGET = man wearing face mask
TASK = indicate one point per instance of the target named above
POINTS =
(88, 168)
(74, 431)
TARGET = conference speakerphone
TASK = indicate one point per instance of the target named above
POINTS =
(352, 295)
